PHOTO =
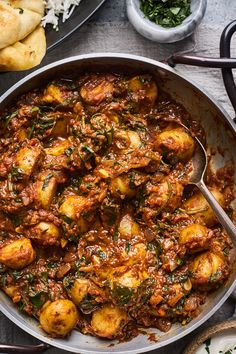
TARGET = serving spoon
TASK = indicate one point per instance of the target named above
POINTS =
(199, 161)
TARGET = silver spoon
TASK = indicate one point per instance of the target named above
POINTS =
(199, 161)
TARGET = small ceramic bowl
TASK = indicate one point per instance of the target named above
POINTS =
(220, 330)
(160, 34)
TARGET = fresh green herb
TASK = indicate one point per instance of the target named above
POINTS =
(38, 298)
(66, 219)
(30, 133)
(207, 345)
(52, 265)
(122, 294)
(35, 109)
(17, 173)
(102, 254)
(115, 235)
(9, 117)
(3, 280)
(46, 181)
(166, 13)
(127, 247)
(214, 277)
(179, 261)
(16, 275)
(110, 136)
(68, 282)
(69, 151)
(88, 149)
(30, 277)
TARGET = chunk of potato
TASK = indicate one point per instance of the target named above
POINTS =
(207, 270)
(46, 233)
(59, 147)
(59, 317)
(97, 89)
(120, 187)
(27, 159)
(45, 189)
(17, 254)
(53, 94)
(194, 237)
(130, 279)
(201, 210)
(137, 254)
(72, 206)
(79, 290)
(13, 292)
(128, 228)
(143, 88)
(108, 321)
(127, 140)
(176, 145)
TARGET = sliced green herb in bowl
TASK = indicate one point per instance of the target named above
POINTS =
(166, 13)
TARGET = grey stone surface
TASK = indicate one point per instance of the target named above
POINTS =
(110, 31)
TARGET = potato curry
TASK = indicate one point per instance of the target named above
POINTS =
(99, 229)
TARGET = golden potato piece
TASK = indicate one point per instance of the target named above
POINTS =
(79, 290)
(120, 187)
(201, 210)
(53, 94)
(72, 206)
(46, 233)
(17, 254)
(27, 159)
(126, 140)
(207, 270)
(97, 89)
(59, 317)
(194, 237)
(128, 228)
(137, 254)
(143, 88)
(71, 209)
(14, 292)
(45, 189)
(176, 145)
(130, 279)
(59, 147)
(108, 321)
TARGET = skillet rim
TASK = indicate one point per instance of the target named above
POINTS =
(231, 125)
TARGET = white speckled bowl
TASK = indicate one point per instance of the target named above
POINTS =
(160, 34)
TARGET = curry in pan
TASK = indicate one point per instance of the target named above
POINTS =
(99, 228)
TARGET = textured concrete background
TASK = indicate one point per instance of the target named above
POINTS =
(110, 31)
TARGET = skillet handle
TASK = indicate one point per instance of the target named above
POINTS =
(227, 73)
(11, 348)
(201, 61)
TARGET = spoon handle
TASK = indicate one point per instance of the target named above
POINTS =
(219, 211)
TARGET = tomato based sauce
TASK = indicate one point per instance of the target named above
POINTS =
(99, 228)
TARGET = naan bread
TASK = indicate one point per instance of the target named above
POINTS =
(25, 54)
(32, 5)
(18, 19)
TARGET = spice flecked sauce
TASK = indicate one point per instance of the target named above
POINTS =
(99, 229)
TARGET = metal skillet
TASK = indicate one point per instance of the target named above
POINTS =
(220, 132)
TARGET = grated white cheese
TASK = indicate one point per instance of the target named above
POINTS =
(55, 8)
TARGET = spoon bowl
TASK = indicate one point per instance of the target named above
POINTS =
(199, 165)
